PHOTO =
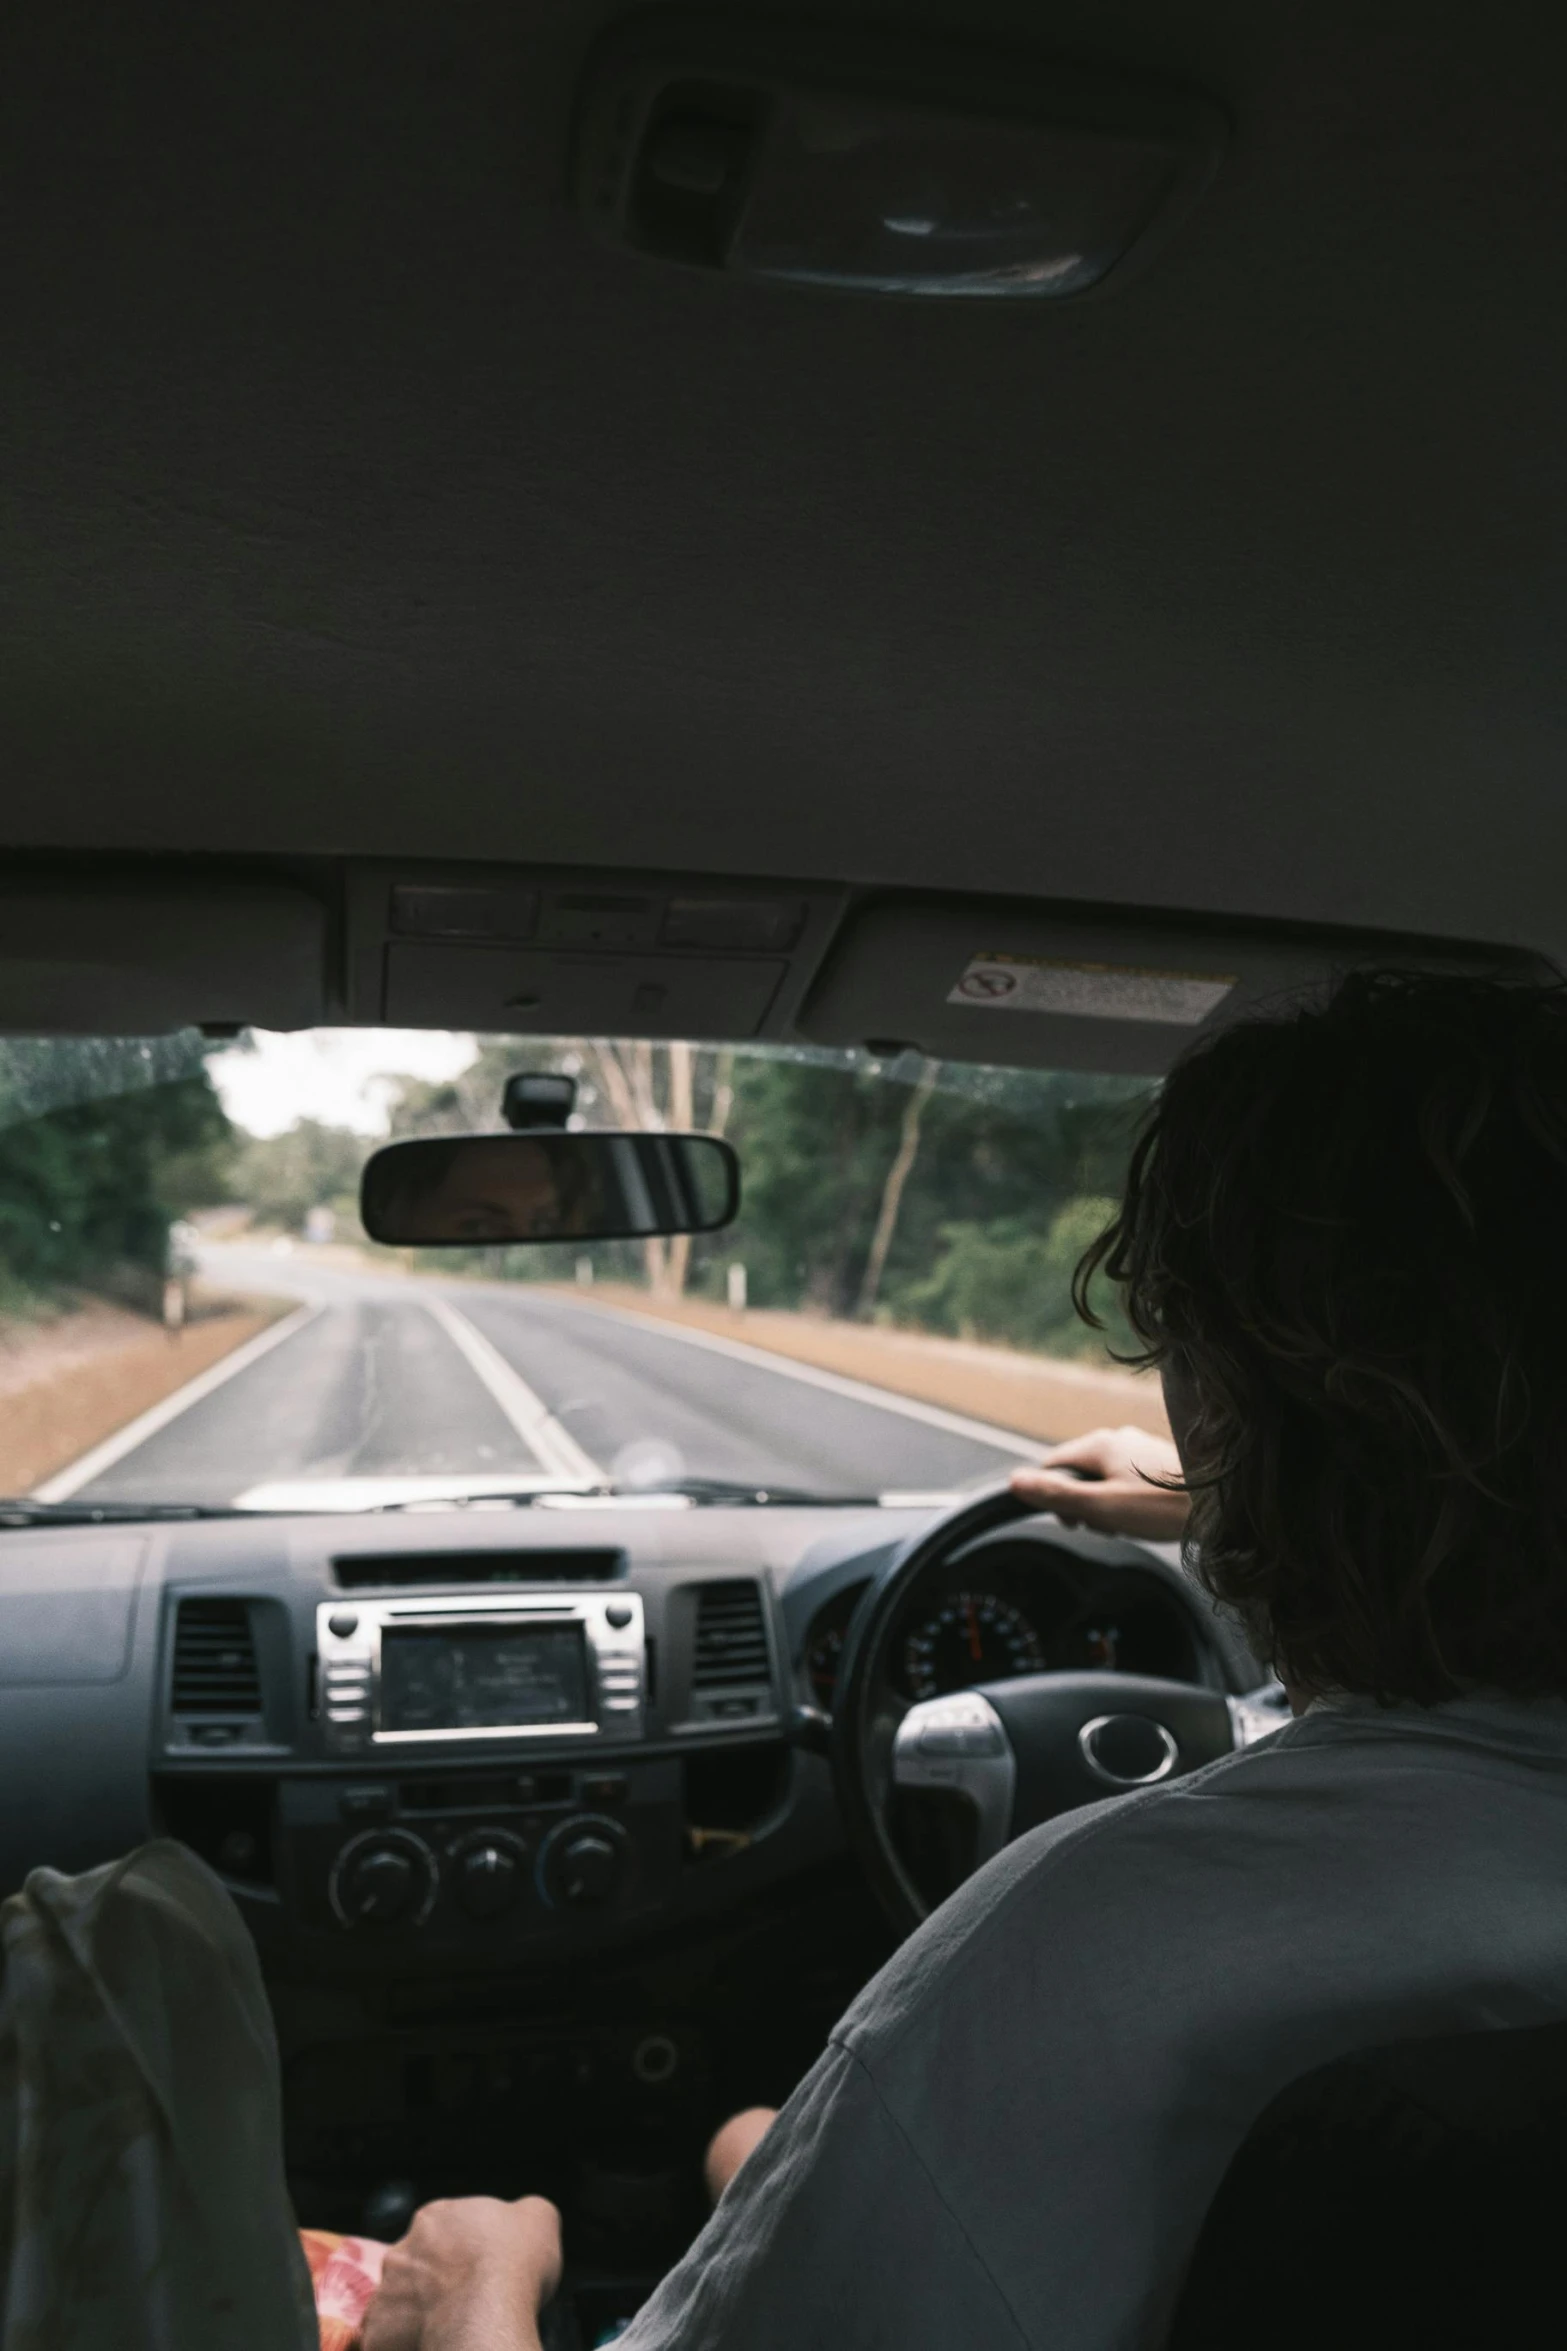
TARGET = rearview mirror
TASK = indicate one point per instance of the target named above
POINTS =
(549, 1186)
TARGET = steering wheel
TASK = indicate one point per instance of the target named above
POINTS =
(1019, 1751)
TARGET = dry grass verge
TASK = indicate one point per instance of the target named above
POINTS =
(1033, 1395)
(68, 1383)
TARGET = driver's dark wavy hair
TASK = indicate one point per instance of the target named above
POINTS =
(1344, 1234)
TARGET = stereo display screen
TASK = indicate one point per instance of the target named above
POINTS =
(482, 1677)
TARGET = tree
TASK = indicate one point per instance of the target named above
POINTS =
(89, 1189)
(861, 1180)
(280, 1178)
(892, 1191)
(1011, 1281)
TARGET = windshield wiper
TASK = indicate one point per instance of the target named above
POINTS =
(700, 1492)
(749, 1492)
(17, 1510)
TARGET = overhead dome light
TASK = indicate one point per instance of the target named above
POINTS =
(880, 166)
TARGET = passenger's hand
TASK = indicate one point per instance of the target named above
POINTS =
(1102, 1481)
(471, 2275)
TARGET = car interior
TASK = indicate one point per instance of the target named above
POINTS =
(996, 537)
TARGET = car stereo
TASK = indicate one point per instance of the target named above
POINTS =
(428, 1672)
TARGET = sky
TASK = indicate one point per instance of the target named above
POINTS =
(335, 1075)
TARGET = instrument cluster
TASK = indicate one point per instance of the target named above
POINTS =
(1014, 1606)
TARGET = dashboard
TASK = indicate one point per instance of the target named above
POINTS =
(522, 1808)
(485, 1733)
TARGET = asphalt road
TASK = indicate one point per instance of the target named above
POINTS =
(383, 1377)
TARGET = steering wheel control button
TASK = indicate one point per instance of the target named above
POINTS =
(384, 1878)
(959, 1744)
(489, 1870)
(964, 1724)
(1128, 1750)
(582, 1864)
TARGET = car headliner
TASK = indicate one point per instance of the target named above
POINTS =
(357, 501)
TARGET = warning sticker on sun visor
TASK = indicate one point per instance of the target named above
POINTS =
(1091, 991)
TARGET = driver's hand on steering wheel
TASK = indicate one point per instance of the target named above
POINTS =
(1103, 1481)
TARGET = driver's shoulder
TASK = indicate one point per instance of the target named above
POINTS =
(1109, 1873)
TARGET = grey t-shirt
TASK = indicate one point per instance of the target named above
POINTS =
(1016, 2130)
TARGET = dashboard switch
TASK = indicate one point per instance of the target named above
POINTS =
(609, 1787)
(488, 1873)
(582, 1865)
(380, 1885)
(586, 1869)
(367, 1803)
(344, 1622)
(384, 1878)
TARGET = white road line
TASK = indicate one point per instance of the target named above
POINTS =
(556, 1448)
(76, 1474)
(956, 1424)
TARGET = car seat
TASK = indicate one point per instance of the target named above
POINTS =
(1407, 2195)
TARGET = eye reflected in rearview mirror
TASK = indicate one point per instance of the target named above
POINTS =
(454, 1190)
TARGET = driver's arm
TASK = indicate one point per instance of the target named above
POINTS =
(1117, 1481)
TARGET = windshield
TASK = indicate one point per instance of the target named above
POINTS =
(191, 1313)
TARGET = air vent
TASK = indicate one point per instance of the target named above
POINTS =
(473, 1570)
(215, 1668)
(731, 1639)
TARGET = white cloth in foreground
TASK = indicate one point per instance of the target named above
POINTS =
(142, 2201)
(1017, 2128)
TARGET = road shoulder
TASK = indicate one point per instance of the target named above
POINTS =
(69, 1383)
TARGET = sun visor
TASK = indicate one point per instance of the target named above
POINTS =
(110, 958)
(1034, 988)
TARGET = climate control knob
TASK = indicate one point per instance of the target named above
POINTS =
(385, 1878)
(583, 1863)
(488, 1871)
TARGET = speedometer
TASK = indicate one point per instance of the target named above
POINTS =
(973, 1637)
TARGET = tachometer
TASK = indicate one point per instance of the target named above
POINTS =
(973, 1637)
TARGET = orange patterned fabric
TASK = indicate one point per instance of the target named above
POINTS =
(344, 2272)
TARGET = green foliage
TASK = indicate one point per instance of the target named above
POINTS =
(280, 1178)
(1013, 1282)
(92, 1188)
(1013, 1175)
